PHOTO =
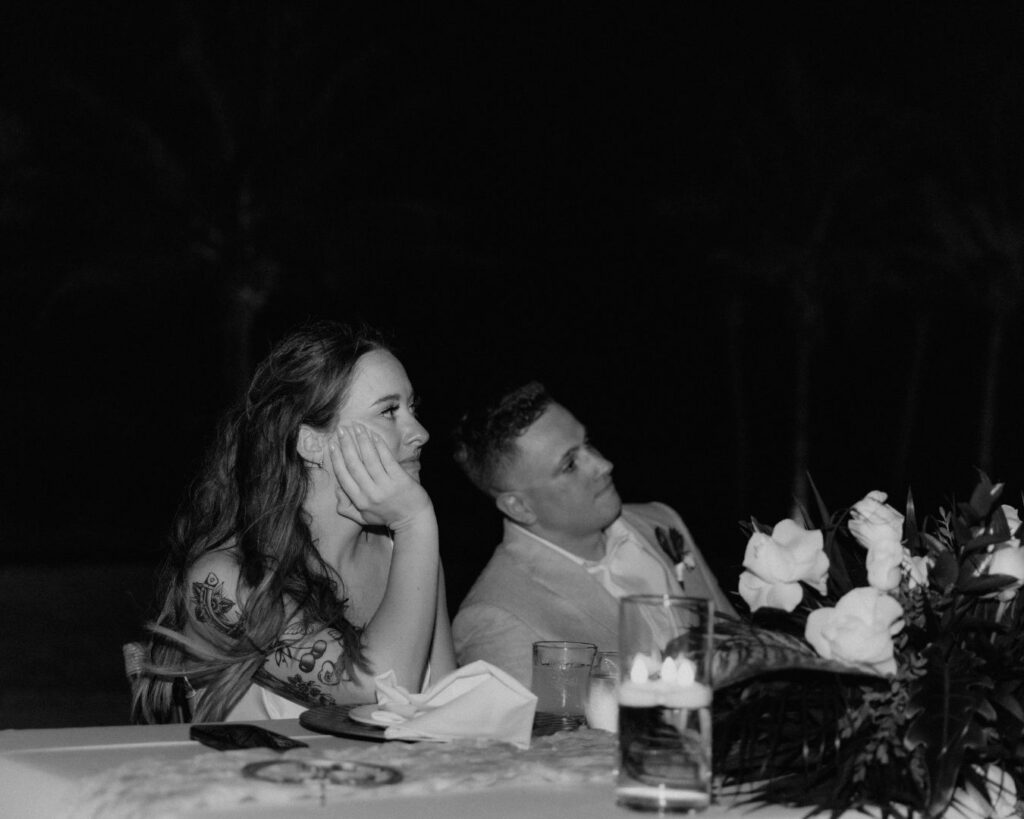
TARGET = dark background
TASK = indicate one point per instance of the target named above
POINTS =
(741, 245)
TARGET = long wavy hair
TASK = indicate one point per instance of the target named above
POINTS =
(249, 497)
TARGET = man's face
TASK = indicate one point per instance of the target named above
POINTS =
(562, 480)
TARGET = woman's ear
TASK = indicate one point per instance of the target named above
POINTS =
(512, 505)
(310, 445)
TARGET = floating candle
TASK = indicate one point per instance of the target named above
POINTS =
(675, 687)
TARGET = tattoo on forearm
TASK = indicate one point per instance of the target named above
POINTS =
(295, 688)
(212, 606)
(311, 664)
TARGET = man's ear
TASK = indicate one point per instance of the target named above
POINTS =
(514, 506)
(310, 445)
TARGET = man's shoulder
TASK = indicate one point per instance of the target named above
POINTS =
(653, 513)
(503, 569)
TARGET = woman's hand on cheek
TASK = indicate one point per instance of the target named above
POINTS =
(373, 482)
(346, 506)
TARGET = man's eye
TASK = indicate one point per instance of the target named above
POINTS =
(570, 466)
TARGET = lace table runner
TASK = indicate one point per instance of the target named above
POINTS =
(154, 787)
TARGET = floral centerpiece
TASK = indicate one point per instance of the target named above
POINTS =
(880, 661)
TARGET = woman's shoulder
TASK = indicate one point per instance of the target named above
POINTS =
(223, 558)
(218, 568)
(213, 589)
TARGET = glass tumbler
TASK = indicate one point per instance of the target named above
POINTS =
(561, 670)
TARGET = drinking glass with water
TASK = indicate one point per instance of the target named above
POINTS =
(561, 672)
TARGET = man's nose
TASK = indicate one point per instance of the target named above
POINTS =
(600, 464)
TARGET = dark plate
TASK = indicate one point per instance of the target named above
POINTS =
(334, 719)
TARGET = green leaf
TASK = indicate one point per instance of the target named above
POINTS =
(1006, 698)
(945, 571)
(976, 544)
(962, 523)
(944, 707)
(822, 509)
(935, 546)
(988, 584)
(984, 496)
(910, 530)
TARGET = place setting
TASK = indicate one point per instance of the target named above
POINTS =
(476, 701)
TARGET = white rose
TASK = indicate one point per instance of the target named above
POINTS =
(858, 630)
(916, 568)
(1008, 559)
(1013, 521)
(885, 565)
(969, 803)
(879, 529)
(776, 565)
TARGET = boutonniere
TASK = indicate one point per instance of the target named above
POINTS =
(673, 544)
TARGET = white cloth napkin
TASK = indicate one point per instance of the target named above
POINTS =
(475, 701)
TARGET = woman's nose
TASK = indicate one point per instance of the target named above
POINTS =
(417, 433)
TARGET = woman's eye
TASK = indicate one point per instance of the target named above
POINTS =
(570, 466)
(390, 411)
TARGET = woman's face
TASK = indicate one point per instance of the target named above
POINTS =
(381, 398)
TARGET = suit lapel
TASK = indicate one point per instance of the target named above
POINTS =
(649, 543)
(568, 583)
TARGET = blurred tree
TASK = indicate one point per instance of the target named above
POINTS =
(797, 156)
(224, 139)
(180, 181)
(971, 209)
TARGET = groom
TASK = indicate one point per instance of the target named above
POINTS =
(570, 548)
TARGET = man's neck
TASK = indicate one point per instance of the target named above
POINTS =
(586, 547)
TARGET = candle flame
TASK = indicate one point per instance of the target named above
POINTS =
(686, 671)
(638, 671)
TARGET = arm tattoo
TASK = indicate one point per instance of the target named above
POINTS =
(307, 659)
(295, 688)
(212, 606)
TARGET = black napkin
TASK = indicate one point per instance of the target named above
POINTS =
(231, 736)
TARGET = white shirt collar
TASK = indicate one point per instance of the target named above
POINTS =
(614, 536)
(626, 568)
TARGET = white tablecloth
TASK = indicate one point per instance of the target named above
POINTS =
(43, 772)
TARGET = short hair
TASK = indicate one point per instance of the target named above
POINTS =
(485, 437)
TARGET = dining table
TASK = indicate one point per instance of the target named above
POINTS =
(159, 771)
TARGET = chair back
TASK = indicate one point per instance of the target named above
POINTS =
(135, 655)
(134, 658)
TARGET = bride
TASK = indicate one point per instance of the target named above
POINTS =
(306, 560)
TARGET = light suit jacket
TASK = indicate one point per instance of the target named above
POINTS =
(529, 592)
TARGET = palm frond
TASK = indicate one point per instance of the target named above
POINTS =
(744, 651)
